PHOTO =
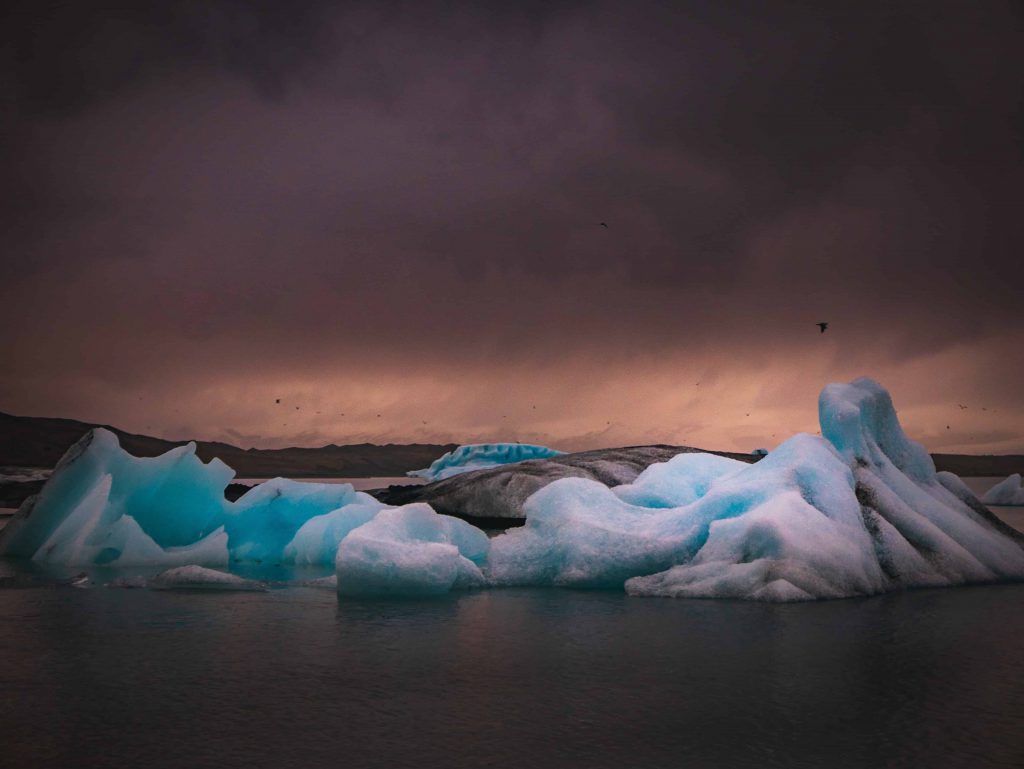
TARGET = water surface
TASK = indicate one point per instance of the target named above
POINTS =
(509, 678)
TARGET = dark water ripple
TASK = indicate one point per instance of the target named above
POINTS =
(133, 678)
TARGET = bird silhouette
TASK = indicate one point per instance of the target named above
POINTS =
(604, 225)
(277, 400)
(962, 406)
(822, 326)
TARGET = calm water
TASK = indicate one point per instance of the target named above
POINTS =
(134, 678)
(292, 677)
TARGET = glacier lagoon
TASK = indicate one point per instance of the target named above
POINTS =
(293, 659)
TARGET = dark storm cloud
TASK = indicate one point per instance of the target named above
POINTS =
(228, 191)
(65, 57)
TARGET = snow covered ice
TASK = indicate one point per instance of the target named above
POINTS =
(857, 511)
(411, 550)
(479, 456)
(1008, 491)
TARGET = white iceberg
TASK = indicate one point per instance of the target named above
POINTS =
(856, 512)
(195, 577)
(479, 456)
(1008, 491)
(411, 550)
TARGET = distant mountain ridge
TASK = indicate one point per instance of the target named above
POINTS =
(42, 441)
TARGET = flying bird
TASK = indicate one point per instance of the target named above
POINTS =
(604, 225)
(277, 400)
(822, 326)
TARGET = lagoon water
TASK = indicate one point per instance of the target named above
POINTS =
(533, 678)
(102, 677)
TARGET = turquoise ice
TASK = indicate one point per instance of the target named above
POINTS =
(857, 511)
(479, 456)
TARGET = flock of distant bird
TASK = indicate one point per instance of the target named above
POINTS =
(822, 326)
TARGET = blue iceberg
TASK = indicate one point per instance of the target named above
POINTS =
(479, 456)
(103, 506)
(859, 510)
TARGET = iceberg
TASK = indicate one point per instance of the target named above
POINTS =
(194, 577)
(500, 492)
(479, 456)
(275, 521)
(1008, 491)
(858, 511)
(411, 551)
(103, 506)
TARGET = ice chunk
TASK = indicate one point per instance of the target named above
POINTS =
(859, 513)
(103, 506)
(198, 578)
(317, 541)
(266, 522)
(1007, 492)
(580, 533)
(478, 456)
(680, 481)
(896, 480)
(411, 551)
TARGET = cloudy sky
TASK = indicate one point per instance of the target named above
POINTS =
(388, 217)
